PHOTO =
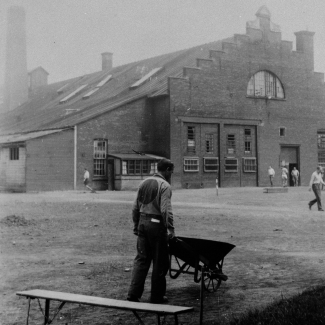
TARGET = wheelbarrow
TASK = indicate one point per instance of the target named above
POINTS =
(201, 258)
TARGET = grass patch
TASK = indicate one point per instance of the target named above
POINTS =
(306, 308)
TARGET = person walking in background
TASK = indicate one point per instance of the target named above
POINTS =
(271, 173)
(153, 218)
(315, 183)
(86, 180)
(295, 176)
(284, 176)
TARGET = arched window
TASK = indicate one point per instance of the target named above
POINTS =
(265, 84)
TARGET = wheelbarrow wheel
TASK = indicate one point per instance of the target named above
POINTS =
(211, 281)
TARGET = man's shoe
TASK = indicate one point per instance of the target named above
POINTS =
(309, 205)
(320, 210)
(132, 298)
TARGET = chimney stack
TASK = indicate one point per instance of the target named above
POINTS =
(16, 79)
(107, 61)
(305, 44)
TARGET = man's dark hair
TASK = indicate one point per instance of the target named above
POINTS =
(165, 164)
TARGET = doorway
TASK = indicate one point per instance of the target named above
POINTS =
(291, 182)
(110, 175)
(289, 157)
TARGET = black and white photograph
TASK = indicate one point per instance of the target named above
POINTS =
(162, 162)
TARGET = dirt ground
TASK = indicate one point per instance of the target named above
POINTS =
(82, 242)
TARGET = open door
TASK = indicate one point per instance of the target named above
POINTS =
(291, 183)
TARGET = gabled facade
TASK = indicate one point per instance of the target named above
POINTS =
(225, 110)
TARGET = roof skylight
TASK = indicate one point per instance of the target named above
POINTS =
(78, 90)
(146, 77)
(90, 93)
(60, 91)
(103, 82)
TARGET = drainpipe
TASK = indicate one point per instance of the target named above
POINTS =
(75, 159)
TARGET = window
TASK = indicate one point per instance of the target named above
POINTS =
(321, 158)
(211, 164)
(191, 164)
(282, 132)
(248, 141)
(248, 146)
(14, 153)
(191, 139)
(231, 165)
(100, 154)
(139, 167)
(265, 84)
(231, 143)
(248, 133)
(321, 141)
(249, 165)
(209, 143)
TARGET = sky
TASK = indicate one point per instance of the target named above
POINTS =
(67, 37)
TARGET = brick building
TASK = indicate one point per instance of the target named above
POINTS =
(226, 109)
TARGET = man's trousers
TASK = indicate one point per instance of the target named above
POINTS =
(317, 191)
(152, 245)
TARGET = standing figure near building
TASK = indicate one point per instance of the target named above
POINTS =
(315, 183)
(153, 218)
(284, 176)
(295, 176)
(86, 180)
(271, 173)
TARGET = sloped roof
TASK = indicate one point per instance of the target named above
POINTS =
(43, 109)
(21, 137)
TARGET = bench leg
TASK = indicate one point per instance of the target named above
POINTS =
(176, 320)
(47, 312)
(138, 317)
(158, 319)
(28, 309)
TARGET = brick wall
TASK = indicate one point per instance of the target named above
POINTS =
(50, 162)
(125, 128)
(217, 89)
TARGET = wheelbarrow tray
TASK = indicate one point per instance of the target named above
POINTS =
(190, 250)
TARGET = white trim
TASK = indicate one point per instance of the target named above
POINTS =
(211, 171)
(233, 170)
(191, 158)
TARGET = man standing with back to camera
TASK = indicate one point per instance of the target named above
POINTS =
(153, 218)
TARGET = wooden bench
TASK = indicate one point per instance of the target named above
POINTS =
(276, 190)
(63, 297)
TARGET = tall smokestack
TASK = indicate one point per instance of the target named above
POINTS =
(16, 77)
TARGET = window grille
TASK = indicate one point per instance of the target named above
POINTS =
(265, 84)
(209, 143)
(248, 133)
(248, 146)
(139, 167)
(14, 153)
(100, 156)
(321, 141)
(321, 158)
(249, 165)
(231, 143)
(191, 139)
(191, 164)
(211, 164)
(231, 165)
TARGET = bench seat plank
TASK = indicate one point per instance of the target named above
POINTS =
(105, 302)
